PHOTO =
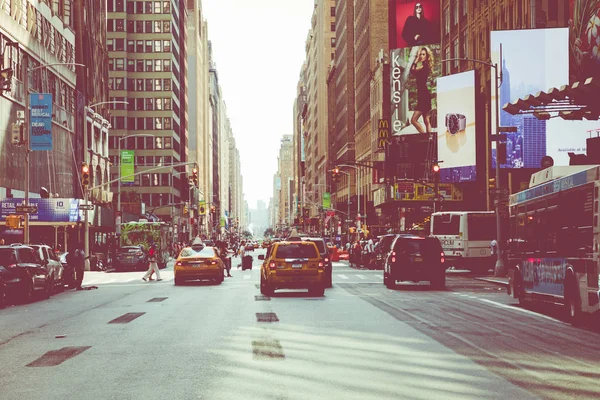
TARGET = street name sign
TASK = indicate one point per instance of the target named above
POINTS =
(26, 209)
(86, 207)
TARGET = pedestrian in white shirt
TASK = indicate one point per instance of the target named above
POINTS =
(152, 264)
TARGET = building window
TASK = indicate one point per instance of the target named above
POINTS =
(139, 65)
(139, 7)
(157, 47)
(333, 42)
(167, 7)
(130, 7)
(446, 20)
(140, 160)
(130, 66)
(167, 46)
(465, 43)
(149, 104)
(168, 140)
(149, 83)
(159, 103)
(167, 65)
(333, 27)
(447, 55)
(157, 26)
(332, 12)
(168, 124)
(167, 84)
(120, 25)
(157, 65)
(130, 123)
(139, 46)
(148, 26)
(140, 125)
(110, 25)
(148, 8)
(166, 26)
(157, 8)
(149, 142)
(157, 85)
(148, 46)
(110, 45)
(456, 54)
(158, 125)
(465, 7)
(139, 104)
(454, 12)
(139, 26)
(148, 65)
(131, 46)
(111, 64)
(168, 104)
(119, 44)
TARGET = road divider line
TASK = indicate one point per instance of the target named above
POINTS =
(361, 276)
(522, 310)
(342, 276)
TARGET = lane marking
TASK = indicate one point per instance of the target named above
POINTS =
(267, 349)
(523, 310)
(246, 277)
(361, 276)
(57, 357)
(342, 276)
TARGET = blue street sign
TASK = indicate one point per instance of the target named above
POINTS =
(40, 121)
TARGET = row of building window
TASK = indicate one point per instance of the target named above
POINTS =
(149, 180)
(149, 123)
(147, 161)
(140, 7)
(137, 26)
(139, 46)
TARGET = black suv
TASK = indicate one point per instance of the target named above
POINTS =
(415, 258)
(23, 272)
(324, 253)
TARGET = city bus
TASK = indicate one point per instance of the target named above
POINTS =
(466, 237)
(553, 241)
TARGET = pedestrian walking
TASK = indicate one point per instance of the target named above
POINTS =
(223, 252)
(78, 266)
(152, 264)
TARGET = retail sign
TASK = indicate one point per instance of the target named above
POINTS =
(383, 134)
(127, 166)
(40, 121)
(45, 210)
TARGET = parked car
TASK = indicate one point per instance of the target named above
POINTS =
(326, 256)
(52, 264)
(23, 272)
(292, 265)
(382, 249)
(131, 257)
(415, 258)
(3, 293)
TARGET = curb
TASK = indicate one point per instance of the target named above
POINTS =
(496, 281)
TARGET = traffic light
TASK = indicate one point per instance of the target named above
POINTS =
(13, 221)
(85, 174)
(335, 174)
(435, 169)
(185, 209)
(213, 209)
(202, 210)
(492, 183)
(6, 79)
(195, 176)
(352, 229)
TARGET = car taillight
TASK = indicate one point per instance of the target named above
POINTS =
(327, 260)
(272, 265)
(178, 264)
(393, 256)
(321, 264)
(12, 266)
(139, 253)
(213, 263)
(442, 258)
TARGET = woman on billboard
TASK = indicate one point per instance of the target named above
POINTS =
(416, 28)
(421, 69)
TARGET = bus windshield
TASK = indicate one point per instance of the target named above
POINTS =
(446, 224)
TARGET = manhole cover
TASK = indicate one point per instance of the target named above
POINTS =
(266, 317)
(126, 318)
(157, 299)
(262, 298)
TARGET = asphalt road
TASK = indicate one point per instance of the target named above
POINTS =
(131, 339)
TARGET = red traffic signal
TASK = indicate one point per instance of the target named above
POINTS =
(436, 168)
(85, 174)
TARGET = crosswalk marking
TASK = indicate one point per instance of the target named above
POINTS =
(361, 276)
(247, 276)
(342, 276)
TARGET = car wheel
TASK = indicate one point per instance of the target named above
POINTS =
(387, 281)
(317, 291)
(439, 282)
(178, 281)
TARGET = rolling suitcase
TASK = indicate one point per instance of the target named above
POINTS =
(247, 262)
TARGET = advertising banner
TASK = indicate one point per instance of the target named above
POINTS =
(413, 90)
(528, 69)
(414, 23)
(40, 121)
(420, 192)
(127, 166)
(49, 210)
(584, 40)
(410, 157)
(456, 136)
(326, 200)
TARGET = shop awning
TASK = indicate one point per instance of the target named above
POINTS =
(570, 102)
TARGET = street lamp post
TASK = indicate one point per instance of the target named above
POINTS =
(358, 190)
(25, 70)
(500, 267)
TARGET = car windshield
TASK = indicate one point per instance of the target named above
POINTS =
(296, 250)
(320, 244)
(7, 257)
(205, 252)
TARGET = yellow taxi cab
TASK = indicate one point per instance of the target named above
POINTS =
(292, 264)
(199, 262)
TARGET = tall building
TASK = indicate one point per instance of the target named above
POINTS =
(147, 68)
(320, 50)
(370, 41)
(33, 34)
(534, 141)
(298, 146)
(285, 175)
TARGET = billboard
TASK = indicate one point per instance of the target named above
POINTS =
(410, 157)
(414, 23)
(49, 210)
(535, 60)
(40, 121)
(413, 103)
(127, 166)
(584, 40)
(456, 135)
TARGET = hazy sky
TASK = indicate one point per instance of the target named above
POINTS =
(258, 46)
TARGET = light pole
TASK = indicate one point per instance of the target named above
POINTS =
(358, 189)
(25, 70)
(499, 268)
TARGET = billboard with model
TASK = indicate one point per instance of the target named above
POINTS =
(456, 134)
(584, 40)
(413, 90)
(414, 23)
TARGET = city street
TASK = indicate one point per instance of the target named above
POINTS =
(131, 339)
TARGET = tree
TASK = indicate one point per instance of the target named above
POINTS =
(269, 232)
